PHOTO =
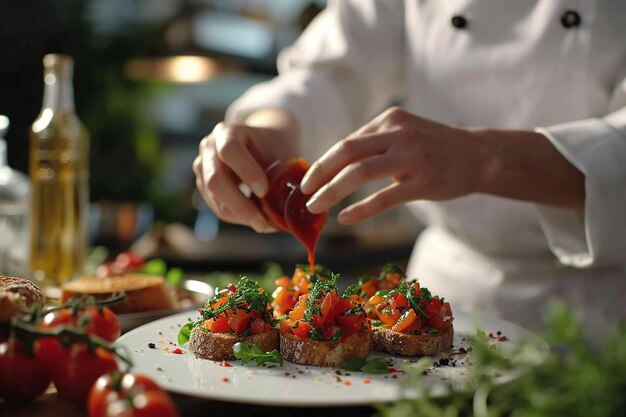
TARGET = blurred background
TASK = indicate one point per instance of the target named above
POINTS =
(152, 77)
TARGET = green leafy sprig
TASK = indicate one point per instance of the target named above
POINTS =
(246, 353)
(372, 366)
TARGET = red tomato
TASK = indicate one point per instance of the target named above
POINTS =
(218, 324)
(439, 316)
(77, 369)
(258, 326)
(100, 322)
(240, 322)
(302, 330)
(128, 395)
(22, 378)
(350, 324)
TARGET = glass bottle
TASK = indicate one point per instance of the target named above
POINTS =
(14, 206)
(59, 172)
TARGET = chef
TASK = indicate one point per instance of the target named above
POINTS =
(507, 139)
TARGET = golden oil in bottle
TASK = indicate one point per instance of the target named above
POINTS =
(59, 173)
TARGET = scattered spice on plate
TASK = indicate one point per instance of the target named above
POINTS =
(225, 379)
(151, 345)
(367, 381)
(346, 382)
(178, 351)
(225, 364)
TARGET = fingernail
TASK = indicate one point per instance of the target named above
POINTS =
(312, 203)
(304, 184)
(343, 217)
(258, 189)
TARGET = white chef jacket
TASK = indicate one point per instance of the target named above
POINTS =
(557, 67)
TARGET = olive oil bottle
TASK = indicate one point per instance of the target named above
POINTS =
(59, 173)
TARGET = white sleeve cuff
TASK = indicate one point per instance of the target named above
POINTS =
(596, 237)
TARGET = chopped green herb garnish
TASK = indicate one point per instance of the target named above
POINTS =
(353, 289)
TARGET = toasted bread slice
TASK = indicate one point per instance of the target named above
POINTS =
(143, 292)
(314, 353)
(219, 346)
(430, 342)
(18, 294)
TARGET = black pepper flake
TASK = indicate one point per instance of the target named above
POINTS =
(444, 362)
(338, 372)
(499, 333)
(160, 333)
(151, 345)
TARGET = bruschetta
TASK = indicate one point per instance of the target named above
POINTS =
(325, 328)
(239, 313)
(411, 321)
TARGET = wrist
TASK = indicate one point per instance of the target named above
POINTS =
(488, 160)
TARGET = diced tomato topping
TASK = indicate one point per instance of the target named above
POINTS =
(391, 281)
(370, 287)
(239, 321)
(388, 315)
(231, 288)
(301, 329)
(217, 325)
(326, 308)
(376, 299)
(406, 320)
(439, 315)
(285, 326)
(399, 300)
(258, 326)
(342, 306)
(351, 323)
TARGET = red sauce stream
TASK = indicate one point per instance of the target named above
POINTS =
(304, 225)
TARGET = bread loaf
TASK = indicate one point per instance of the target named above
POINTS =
(143, 292)
(18, 294)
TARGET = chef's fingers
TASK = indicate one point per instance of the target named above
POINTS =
(382, 200)
(230, 143)
(220, 188)
(353, 177)
(343, 153)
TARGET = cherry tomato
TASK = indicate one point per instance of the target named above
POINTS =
(129, 395)
(22, 377)
(100, 322)
(77, 369)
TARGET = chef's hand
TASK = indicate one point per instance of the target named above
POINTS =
(235, 154)
(426, 160)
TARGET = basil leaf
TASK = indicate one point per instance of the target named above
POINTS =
(354, 364)
(376, 366)
(245, 353)
(372, 366)
(185, 332)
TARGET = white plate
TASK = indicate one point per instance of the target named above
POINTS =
(291, 384)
